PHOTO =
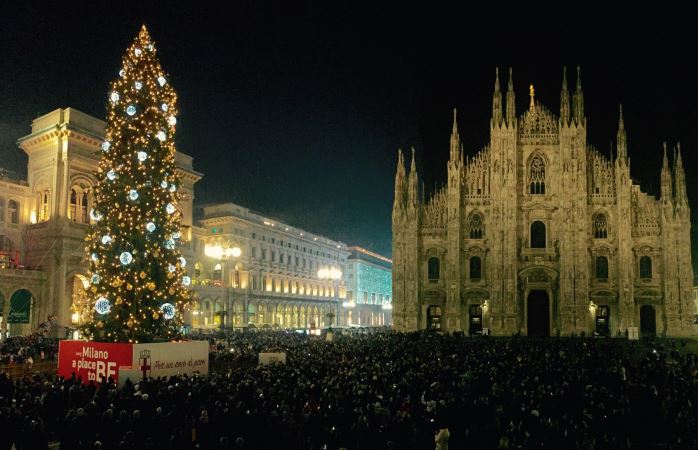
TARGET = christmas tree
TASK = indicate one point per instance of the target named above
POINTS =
(138, 286)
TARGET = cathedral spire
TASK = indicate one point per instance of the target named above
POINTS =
(496, 101)
(455, 139)
(578, 100)
(412, 185)
(622, 138)
(679, 178)
(400, 174)
(399, 201)
(532, 94)
(511, 101)
(564, 99)
(665, 180)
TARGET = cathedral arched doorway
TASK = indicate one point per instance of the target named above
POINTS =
(434, 317)
(538, 314)
(475, 319)
(603, 314)
(648, 321)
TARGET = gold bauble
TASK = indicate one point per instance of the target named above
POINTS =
(94, 289)
(170, 275)
(171, 291)
(129, 286)
(156, 316)
(151, 286)
(143, 274)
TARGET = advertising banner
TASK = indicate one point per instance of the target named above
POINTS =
(93, 361)
(171, 358)
(20, 307)
(97, 361)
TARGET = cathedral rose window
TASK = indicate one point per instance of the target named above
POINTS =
(600, 227)
(476, 227)
(537, 175)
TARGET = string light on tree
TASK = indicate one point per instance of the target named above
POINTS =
(95, 215)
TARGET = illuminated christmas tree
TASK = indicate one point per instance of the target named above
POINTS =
(138, 286)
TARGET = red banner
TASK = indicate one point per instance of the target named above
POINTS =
(93, 361)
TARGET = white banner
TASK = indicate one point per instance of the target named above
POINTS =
(166, 359)
(268, 358)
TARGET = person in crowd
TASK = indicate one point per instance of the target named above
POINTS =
(20, 349)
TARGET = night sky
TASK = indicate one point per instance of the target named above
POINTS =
(297, 111)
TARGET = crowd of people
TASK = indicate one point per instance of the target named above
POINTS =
(28, 349)
(382, 391)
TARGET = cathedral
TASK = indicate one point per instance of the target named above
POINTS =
(540, 234)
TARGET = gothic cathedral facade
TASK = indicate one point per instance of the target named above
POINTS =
(541, 234)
